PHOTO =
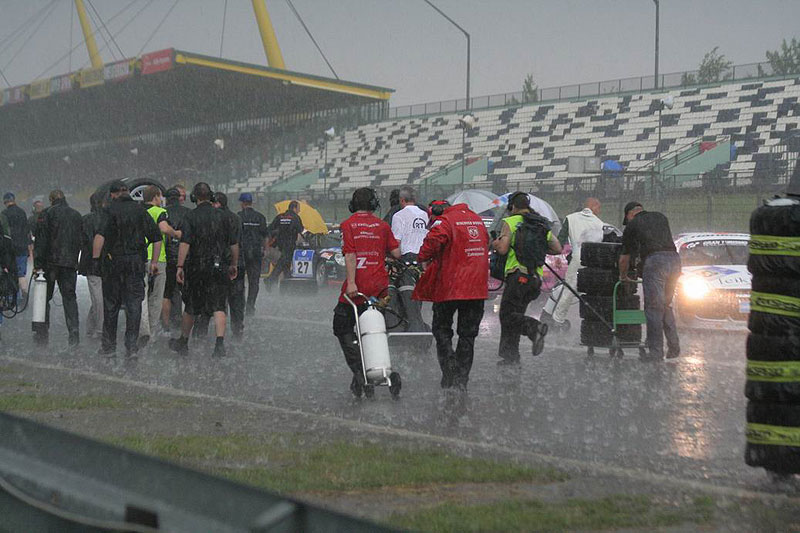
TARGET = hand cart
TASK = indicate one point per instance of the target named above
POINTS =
(620, 317)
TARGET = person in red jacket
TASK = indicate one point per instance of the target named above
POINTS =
(366, 240)
(455, 281)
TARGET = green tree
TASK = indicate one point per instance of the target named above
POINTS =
(530, 91)
(713, 67)
(786, 60)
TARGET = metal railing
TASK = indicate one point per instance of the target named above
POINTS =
(689, 78)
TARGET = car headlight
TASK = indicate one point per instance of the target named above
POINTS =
(695, 288)
(339, 258)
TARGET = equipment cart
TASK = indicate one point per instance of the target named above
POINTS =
(621, 317)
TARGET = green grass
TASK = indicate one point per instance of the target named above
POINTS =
(290, 466)
(44, 402)
(607, 513)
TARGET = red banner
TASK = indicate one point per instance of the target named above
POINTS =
(157, 61)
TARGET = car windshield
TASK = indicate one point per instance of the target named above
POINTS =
(721, 252)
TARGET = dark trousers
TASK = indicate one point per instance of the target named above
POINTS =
(520, 290)
(252, 267)
(344, 323)
(457, 364)
(659, 277)
(67, 279)
(410, 309)
(123, 286)
(236, 302)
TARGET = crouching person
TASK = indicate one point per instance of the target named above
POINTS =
(366, 240)
(456, 281)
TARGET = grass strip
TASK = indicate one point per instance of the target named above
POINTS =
(43, 402)
(612, 512)
(290, 466)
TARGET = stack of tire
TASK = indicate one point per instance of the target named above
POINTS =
(596, 281)
(773, 346)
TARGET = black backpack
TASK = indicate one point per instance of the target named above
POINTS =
(530, 241)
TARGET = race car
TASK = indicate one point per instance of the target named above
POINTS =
(714, 288)
(314, 263)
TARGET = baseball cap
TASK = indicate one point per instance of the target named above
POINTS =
(8, 197)
(118, 186)
(245, 197)
(630, 206)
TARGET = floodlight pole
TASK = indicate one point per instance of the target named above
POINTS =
(655, 77)
(325, 170)
(463, 150)
(454, 23)
(88, 35)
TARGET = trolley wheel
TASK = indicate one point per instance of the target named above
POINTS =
(590, 351)
(642, 351)
(396, 385)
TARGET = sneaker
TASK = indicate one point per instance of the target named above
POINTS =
(508, 362)
(673, 354)
(447, 380)
(219, 350)
(537, 338)
(107, 351)
(179, 345)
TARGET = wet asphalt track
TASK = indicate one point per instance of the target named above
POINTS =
(683, 419)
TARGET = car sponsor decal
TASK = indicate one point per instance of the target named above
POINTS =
(770, 245)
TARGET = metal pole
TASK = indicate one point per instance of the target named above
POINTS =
(88, 35)
(655, 77)
(325, 169)
(463, 149)
(454, 23)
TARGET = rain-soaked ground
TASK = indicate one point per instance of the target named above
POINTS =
(683, 419)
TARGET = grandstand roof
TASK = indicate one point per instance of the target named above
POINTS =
(164, 90)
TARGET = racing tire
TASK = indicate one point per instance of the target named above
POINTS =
(597, 334)
(771, 324)
(773, 457)
(772, 349)
(781, 221)
(600, 254)
(603, 305)
(774, 265)
(777, 285)
(598, 281)
(397, 384)
(136, 187)
(321, 274)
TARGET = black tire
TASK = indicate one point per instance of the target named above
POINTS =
(598, 281)
(397, 384)
(781, 221)
(777, 285)
(776, 458)
(603, 305)
(597, 334)
(771, 325)
(771, 349)
(136, 187)
(600, 254)
(774, 265)
(321, 274)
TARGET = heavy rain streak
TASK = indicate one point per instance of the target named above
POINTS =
(399, 265)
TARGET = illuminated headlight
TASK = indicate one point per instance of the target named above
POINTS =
(339, 258)
(695, 288)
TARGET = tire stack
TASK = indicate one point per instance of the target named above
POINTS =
(596, 281)
(773, 346)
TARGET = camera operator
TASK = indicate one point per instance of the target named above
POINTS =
(207, 262)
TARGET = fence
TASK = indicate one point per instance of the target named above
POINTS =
(582, 90)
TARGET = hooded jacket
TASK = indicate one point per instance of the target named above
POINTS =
(457, 246)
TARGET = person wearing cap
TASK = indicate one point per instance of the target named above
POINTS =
(394, 206)
(59, 235)
(171, 306)
(649, 234)
(522, 286)
(20, 234)
(121, 244)
(253, 245)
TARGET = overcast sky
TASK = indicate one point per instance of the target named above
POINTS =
(405, 45)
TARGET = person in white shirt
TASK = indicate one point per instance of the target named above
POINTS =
(410, 227)
(578, 228)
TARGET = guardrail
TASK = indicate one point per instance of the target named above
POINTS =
(689, 78)
(51, 480)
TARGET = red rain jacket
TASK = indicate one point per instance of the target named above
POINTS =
(457, 246)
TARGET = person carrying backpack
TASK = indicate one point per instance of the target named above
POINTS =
(525, 240)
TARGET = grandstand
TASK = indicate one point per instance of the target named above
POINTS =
(528, 146)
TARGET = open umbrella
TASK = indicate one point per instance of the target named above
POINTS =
(476, 199)
(312, 220)
(537, 204)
